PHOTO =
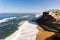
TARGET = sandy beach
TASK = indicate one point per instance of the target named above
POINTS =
(27, 31)
(43, 34)
(30, 31)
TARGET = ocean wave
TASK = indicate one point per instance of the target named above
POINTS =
(7, 19)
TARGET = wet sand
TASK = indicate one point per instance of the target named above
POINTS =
(27, 31)
(30, 31)
(43, 34)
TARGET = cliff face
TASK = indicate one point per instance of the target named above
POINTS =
(50, 18)
(55, 14)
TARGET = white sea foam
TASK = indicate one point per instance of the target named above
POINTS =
(27, 31)
(6, 19)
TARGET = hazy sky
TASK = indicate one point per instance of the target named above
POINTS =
(27, 6)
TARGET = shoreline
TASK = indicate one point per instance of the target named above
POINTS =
(43, 34)
(12, 36)
(27, 31)
(30, 31)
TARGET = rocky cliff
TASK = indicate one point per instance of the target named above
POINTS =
(50, 18)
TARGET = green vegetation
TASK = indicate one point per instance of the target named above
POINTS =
(50, 28)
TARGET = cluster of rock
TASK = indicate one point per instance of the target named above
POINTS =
(55, 14)
(50, 18)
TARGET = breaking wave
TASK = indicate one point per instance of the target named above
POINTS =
(7, 19)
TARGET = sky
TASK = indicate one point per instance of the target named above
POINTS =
(27, 6)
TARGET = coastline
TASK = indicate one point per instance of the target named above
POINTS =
(30, 31)
(14, 35)
(27, 31)
(43, 34)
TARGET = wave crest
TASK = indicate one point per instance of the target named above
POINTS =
(7, 19)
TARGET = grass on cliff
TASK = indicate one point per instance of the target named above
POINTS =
(50, 28)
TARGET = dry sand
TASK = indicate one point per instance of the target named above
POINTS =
(43, 34)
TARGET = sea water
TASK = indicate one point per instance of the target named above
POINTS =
(9, 22)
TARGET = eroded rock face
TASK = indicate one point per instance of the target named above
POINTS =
(46, 18)
(55, 14)
(50, 18)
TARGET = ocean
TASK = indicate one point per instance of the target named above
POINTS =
(9, 22)
(5, 15)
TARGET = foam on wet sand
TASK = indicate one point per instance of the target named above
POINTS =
(30, 31)
(27, 31)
